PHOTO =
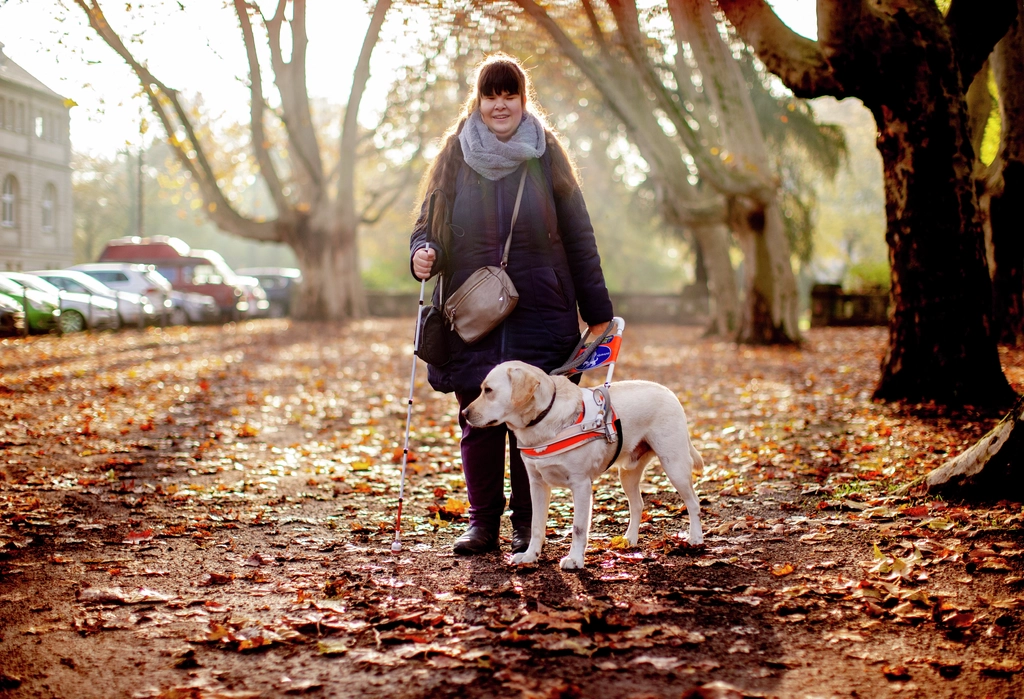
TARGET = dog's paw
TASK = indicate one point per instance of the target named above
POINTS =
(524, 557)
(570, 563)
(696, 539)
(631, 540)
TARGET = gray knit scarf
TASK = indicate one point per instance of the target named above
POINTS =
(492, 158)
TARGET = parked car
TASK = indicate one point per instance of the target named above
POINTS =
(132, 307)
(187, 269)
(281, 285)
(255, 296)
(78, 312)
(12, 316)
(196, 309)
(41, 310)
(139, 279)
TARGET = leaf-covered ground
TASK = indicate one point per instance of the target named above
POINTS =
(208, 512)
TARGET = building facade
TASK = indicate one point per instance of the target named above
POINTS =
(36, 214)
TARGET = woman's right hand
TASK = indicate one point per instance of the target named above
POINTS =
(423, 262)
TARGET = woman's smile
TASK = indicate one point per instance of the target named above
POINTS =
(502, 114)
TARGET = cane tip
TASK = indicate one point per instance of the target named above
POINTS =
(396, 546)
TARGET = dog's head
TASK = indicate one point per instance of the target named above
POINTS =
(506, 396)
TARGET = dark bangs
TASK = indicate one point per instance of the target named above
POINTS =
(500, 77)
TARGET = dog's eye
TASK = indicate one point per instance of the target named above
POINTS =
(487, 389)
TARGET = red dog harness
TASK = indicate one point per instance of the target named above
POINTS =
(597, 420)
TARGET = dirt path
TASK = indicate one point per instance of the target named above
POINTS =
(208, 513)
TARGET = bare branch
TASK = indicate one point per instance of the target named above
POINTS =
(595, 26)
(218, 208)
(798, 61)
(710, 167)
(260, 145)
(290, 78)
(409, 177)
(350, 127)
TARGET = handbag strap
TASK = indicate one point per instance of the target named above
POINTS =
(515, 214)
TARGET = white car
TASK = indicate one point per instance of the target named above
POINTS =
(172, 307)
(135, 309)
(139, 279)
(77, 311)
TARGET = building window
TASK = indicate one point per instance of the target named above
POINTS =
(49, 207)
(3, 113)
(9, 202)
(40, 125)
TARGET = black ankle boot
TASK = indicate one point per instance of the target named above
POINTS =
(521, 538)
(476, 540)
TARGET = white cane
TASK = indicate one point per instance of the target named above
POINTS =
(397, 545)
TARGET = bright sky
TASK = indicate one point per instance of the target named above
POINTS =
(200, 50)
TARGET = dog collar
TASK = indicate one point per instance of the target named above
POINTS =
(544, 413)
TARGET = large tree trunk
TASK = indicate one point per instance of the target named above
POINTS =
(940, 344)
(1005, 189)
(329, 258)
(990, 469)
(909, 65)
(713, 242)
(770, 302)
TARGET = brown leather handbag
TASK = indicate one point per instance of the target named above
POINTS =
(488, 295)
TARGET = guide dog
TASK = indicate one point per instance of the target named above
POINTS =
(538, 408)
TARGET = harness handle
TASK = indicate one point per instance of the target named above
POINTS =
(576, 359)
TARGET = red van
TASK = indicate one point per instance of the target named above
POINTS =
(199, 271)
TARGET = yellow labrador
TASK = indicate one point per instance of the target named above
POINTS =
(539, 409)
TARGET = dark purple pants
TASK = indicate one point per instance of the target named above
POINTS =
(483, 463)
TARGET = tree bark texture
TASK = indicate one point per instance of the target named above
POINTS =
(1004, 188)
(316, 213)
(906, 62)
(990, 469)
(713, 241)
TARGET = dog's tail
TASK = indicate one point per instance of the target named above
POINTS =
(698, 461)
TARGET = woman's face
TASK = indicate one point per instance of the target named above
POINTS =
(502, 114)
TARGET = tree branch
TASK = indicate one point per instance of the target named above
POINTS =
(290, 78)
(595, 26)
(975, 31)
(350, 126)
(798, 61)
(218, 208)
(260, 145)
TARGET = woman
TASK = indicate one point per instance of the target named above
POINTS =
(553, 263)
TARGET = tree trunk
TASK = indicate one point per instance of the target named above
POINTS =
(331, 283)
(909, 64)
(1005, 190)
(724, 303)
(989, 470)
(940, 342)
(770, 302)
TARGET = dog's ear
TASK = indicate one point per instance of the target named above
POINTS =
(523, 386)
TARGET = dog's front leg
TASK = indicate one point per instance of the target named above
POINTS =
(540, 494)
(582, 504)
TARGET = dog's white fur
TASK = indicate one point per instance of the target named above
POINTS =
(653, 424)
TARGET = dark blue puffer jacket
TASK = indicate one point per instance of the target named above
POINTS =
(553, 263)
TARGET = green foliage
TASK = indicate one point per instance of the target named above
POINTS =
(993, 127)
(868, 274)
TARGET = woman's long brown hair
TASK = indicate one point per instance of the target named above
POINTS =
(494, 72)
